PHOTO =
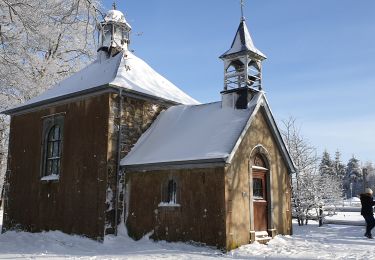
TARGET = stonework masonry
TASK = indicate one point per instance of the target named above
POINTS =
(136, 117)
(238, 193)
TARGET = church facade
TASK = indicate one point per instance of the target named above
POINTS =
(118, 144)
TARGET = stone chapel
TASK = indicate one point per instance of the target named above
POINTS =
(118, 145)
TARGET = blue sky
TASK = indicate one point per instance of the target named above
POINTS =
(320, 67)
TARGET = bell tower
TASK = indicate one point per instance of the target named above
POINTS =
(114, 32)
(242, 69)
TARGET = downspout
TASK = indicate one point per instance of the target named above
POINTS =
(120, 104)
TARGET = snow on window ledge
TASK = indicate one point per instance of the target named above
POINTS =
(52, 177)
(169, 204)
(258, 168)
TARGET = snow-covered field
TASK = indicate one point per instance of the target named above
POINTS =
(308, 242)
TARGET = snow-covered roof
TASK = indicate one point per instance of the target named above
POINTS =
(116, 16)
(123, 70)
(207, 133)
(243, 42)
(136, 75)
(189, 133)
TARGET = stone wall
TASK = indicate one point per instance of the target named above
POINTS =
(238, 193)
(136, 117)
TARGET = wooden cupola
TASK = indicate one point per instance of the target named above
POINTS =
(114, 32)
(242, 69)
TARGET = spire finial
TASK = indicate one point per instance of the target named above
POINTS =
(242, 6)
(114, 5)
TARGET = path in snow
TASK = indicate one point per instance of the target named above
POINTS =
(308, 242)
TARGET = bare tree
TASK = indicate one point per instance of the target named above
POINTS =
(3, 149)
(305, 160)
(41, 42)
(310, 189)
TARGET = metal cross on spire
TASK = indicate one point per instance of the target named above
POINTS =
(114, 5)
(242, 6)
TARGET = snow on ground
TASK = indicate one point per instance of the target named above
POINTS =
(347, 216)
(355, 202)
(312, 242)
(308, 242)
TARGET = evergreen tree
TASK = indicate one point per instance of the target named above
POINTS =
(370, 177)
(353, 170)
(353, 183)
(339, 167)
(326, 166)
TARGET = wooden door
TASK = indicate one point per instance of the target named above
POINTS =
(260, 200)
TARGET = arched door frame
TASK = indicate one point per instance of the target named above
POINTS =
(260, 150)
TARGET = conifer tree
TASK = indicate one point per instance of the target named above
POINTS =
(339, 167)
(326, 166)
(353, 170)
(353, 183)
(370, 176)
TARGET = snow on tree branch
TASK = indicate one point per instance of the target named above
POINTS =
(41, 42)
(311, 190)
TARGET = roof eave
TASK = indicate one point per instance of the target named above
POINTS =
(186, 164)
(253, 54)
(107, 87)
(53, 100)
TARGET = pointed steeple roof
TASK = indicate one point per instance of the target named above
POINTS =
(243, 43)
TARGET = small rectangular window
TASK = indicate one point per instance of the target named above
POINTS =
(258, 188)
(172, 192)
(169, 194)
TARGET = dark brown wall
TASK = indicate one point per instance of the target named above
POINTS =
(200, 217)
(76, 203)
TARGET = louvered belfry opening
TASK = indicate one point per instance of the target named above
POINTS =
(242, 69)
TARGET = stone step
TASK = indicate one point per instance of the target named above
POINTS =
(262, 237)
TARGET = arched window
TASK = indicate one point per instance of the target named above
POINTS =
(259, 161)
(52, 147)
(53, 155)
(259, 177)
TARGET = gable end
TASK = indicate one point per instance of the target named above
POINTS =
(263, 107)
